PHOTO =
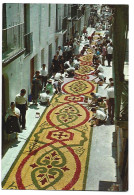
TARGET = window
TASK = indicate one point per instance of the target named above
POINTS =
(12, 35)
(28, 36)
(56, 17)
(26, 18)
(49, 15)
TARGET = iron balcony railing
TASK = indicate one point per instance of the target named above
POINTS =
(28, 43)
(12, 40)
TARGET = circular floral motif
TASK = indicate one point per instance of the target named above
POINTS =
(78, 87)
(67, 115)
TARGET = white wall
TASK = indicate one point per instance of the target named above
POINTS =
(18, 71)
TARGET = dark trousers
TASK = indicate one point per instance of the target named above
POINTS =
(111, 108)
(12, 125)
(109, 58)
(22, 118)
(44, 81)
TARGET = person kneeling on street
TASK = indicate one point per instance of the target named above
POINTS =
(99, 117)
(44, 98)
(57, 86)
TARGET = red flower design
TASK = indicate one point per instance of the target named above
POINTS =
(53, 154)
(34, 165)
(40, 175)
(47, 157)
(51, 176)
(43, 181)
(65, 168)
(49, 166)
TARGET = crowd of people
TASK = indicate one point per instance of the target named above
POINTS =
(64, 64)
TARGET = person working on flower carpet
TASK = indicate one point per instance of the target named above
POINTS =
(99, 116)
(44, 98)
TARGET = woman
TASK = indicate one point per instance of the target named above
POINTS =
(12, 120)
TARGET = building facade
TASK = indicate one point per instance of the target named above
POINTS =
(31, 35)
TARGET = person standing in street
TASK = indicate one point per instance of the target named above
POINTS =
(109, 53)
(21, 104)
(44, 74)
(36, 87)
(110, 101)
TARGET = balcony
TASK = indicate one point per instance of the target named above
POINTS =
(64, 24)
(28, 43)
(12, 43)
(79, 13)
(74, 11)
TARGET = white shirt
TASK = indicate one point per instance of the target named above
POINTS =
(43, 72)
(110, 92)
(10, 112)
(44, 97)
(60, 52)
(67, 48)
(100, 115)
(20, 99)
(110, 50)
(76, 63)
(96, 96)
(68, 63)
(100, 68)
(58, 76)
(70, 69)
(101, 76)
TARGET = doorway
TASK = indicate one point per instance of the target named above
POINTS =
(31, 69)
(42, 56)
(5, 93)
(5, 103)
(50, 59)
(56, 44)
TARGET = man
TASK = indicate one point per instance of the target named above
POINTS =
(12, 120)
(103, 55)
(57, 86)
(21, 104)
(99, 116)
(109, 53)
(100, 76)
(100, 68)
(95, 97)
(110, 101)
(76, 62)
(36, 87)
(60, 51)
(58, 76)
(44, 74)
(44, 98)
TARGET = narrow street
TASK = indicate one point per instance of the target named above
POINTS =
(102, 163)
(63, 147)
